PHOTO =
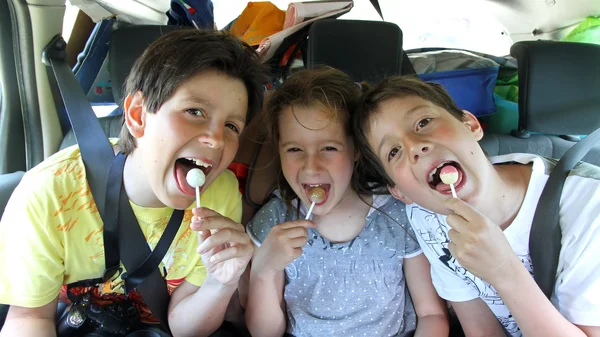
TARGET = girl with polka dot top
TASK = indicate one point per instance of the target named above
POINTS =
(352, 267)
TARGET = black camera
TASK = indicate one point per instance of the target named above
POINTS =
(85, 318)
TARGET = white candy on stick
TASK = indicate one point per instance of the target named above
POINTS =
(196, 178)
(449, 176)
(317, 195)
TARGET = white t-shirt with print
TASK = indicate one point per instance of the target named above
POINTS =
(577, 290)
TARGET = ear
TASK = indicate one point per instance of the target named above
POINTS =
(135, 114)
(473, 124)
(395, 191)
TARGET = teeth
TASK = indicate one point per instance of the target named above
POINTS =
(199, 162)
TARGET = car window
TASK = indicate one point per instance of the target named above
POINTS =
(446, 25)
(69, 20)
(427, 23)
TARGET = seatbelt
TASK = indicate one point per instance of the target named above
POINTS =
(140, 262)
(375, 4)
(96, 151)
(104, 173)
(545, 237)
(544, 240)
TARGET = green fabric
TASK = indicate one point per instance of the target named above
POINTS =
(508, 88)
(587, 31)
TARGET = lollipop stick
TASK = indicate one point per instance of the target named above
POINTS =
(310, 211)
(453, 190)
(197, 197)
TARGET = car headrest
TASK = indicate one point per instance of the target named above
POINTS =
(365, 50)
(558, 86)
(127, 44)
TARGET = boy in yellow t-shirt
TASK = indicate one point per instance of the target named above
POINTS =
(187, 97)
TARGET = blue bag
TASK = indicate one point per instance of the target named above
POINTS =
(471, 89)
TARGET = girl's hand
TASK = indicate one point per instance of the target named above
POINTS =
(479, 244)
(282, 246)
(227, 250)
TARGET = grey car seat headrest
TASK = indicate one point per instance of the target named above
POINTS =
(558, 86)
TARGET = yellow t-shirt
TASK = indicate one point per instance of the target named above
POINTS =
(51, 235)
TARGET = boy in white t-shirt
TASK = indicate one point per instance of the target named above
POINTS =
(478, 243)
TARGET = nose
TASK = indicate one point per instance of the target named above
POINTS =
(419, 148)
(212, 137)
(312, 164)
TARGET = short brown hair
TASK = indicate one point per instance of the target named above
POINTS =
(389, 88)
(181, 54)
(324, 88)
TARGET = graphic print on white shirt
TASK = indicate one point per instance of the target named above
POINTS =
(577, 285)
(432, 231)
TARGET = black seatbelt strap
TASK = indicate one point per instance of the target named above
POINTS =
(375, 4)
(104, 172)
(96, 151)
(545, 237)
(136, 255)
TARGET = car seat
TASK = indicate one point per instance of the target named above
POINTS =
(558, 83)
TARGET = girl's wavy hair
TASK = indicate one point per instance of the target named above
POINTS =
(326, 89)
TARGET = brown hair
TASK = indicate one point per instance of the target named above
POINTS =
(367, 109)
(324, 88)
(179, 55)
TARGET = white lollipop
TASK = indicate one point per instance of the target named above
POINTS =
(196, 178)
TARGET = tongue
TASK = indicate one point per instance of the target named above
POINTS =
(442, 188)
(181, 171)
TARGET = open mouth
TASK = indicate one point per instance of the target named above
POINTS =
(309, 187)
(183, 166)
(435, 182)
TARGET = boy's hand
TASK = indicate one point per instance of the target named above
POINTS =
(227, 251)
(478, 243)
(282, 246)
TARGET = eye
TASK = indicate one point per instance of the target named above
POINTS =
(393, 152)
(233, 127)
(329, 148)
(293, 149)
(196, 112)
(423, 123)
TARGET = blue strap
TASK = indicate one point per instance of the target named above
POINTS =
(92, 57)
(192, 13)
